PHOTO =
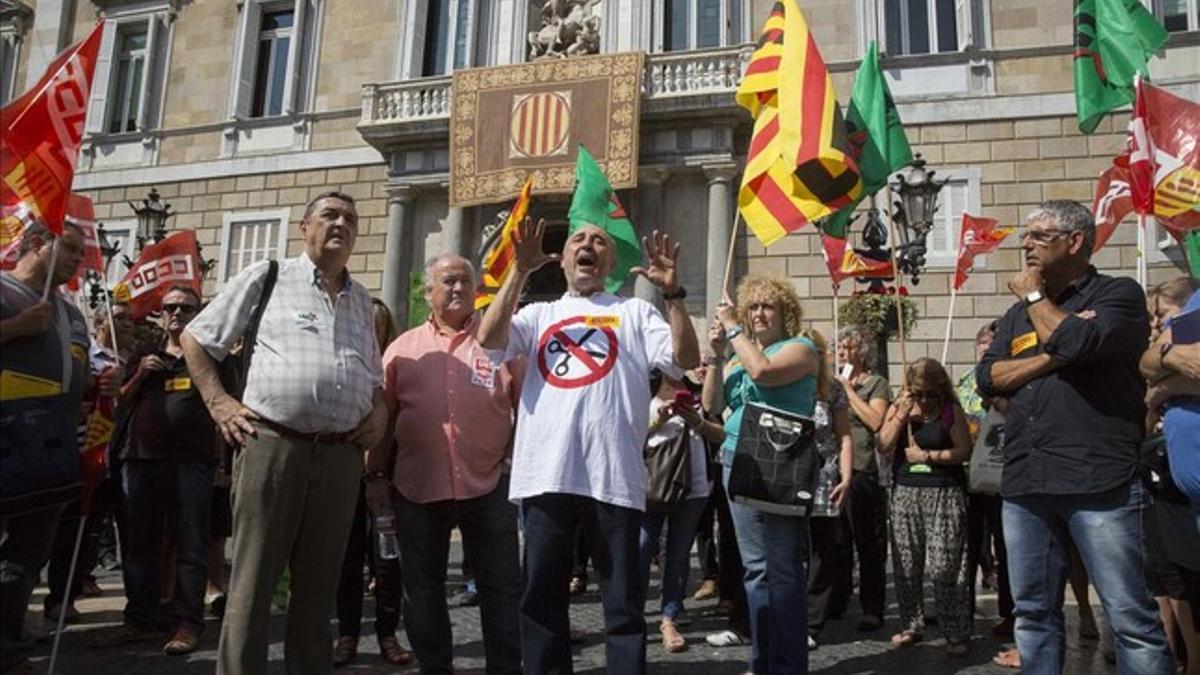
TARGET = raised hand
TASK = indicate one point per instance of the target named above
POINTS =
(527, 241)
(662, 261)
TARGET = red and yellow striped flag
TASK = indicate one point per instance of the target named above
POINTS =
(798, 167)
(498, 262)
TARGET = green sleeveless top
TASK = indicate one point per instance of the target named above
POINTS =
(798, 397)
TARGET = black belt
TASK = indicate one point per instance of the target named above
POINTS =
(326, 437)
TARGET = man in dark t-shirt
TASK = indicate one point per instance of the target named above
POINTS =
(169, 464)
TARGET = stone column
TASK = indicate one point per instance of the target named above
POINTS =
(455, 238)
(397, 252)
(720, 229)
(650, 217)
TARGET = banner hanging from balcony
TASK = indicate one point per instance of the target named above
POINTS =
(512, 123)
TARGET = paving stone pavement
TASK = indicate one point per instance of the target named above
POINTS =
(843, 651)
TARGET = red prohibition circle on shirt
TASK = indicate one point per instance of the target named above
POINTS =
(557, 344)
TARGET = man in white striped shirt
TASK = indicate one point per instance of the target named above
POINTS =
(312, 404)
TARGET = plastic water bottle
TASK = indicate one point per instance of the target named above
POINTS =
(385, 535)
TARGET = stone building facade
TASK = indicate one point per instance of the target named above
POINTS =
(240, 112)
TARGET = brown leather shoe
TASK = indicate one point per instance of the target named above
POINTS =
(345, 650)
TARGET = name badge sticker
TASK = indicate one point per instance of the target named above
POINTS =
(307, 321)
(483, 374)
(1023, 343)
(602, 322)
(920, 468)
(183, 383)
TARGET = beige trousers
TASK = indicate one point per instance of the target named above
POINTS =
(292, 505)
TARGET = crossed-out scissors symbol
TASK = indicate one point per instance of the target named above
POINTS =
(555, 346)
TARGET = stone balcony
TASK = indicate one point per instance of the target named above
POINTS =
(697, 83)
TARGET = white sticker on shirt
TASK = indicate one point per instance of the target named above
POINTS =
(483, 374)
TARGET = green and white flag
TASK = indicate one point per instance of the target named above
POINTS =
(595, 203)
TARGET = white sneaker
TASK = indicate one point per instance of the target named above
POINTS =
(812, 644)
(726, 638)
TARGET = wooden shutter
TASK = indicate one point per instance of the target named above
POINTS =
(247, 58)
(101, 84)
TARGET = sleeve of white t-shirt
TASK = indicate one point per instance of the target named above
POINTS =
(521, 335)
(656, 337)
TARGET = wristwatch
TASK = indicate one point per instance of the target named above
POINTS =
(677, 294)
(734, 332)
(1033, 296)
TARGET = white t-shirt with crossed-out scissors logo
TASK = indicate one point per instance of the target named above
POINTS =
(585, 401)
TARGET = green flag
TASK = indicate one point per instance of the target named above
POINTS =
(1191, 249)
(595, 203)
(872, 125)
(1113, 42)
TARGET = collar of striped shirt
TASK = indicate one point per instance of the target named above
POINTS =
(318, 278)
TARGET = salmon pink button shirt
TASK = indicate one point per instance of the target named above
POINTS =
(454, 426)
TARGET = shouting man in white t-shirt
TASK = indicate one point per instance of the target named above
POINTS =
(582, 421)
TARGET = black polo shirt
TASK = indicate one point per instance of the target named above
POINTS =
(169, 418)
(1076, 430)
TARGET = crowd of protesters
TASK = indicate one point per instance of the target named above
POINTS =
(289, 415)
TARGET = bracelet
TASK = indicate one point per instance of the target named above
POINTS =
(928, 457)
(734, 332)
(677, 294)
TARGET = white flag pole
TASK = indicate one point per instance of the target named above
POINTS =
(50, 272)
(949, 322)
(1141, 244)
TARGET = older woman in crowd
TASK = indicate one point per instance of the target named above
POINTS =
(773, 365)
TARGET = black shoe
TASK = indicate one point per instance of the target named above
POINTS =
(869, 624)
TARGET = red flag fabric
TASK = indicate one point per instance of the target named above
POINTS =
(1164, 155)
(843, 262)
(174, 261)
(94, 453)
(978, 236)
(41, 131)
(1113, 200)
(833, 248)
(81, 213)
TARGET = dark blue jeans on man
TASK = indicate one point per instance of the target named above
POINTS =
(549, 521)
(489, 532)
(167, 496)
(775, 558)
(1107, 529)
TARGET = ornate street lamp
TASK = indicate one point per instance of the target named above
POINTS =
(914, 211)
(152, 219)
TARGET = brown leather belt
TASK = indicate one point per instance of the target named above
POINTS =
(324, 437)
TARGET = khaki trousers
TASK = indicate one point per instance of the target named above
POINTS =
(293, 501)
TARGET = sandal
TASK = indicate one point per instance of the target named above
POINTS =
(345, 650)
(1009, 658)
(184, 641)
(957, 648)
(906, 638)
(672, 641)
(393, 653)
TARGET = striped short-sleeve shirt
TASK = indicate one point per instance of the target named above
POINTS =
(316, 362)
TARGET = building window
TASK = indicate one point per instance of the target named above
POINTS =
(9, 49)
(960, 194)
(924, 26)
(247, 238)
(129, 67)
(698, 24)
(120, 235)
(1178, 16)
(276, 60)
(449, 36)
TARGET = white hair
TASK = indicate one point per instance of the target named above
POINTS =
(444, 257)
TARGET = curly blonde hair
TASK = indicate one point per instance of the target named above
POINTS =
(774, 289)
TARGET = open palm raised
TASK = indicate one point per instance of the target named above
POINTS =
(527, 241)
(662, 261)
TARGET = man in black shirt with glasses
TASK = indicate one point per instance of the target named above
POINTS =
(1066, 358)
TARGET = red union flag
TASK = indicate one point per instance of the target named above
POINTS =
(1113, 200)
(1164, 155)
(42, 130)
(174, 261)
(978, 236)
(81, 213)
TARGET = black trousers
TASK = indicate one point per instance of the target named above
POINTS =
(866, 513)
(550, 521)
(983, 516)
(824, 569)
(360, 548)
(107, 499)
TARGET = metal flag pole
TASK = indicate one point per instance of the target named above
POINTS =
(50, 272)
(949, 321)
(66, 600)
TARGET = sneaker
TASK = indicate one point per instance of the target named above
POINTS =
(707, 589)
(812, 643)
(726, 638)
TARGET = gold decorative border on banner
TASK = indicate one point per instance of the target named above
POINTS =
(470, 186)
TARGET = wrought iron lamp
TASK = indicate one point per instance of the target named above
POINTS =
(152, 219)
(914, 211)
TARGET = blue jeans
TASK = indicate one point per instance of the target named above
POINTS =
(167, 496)
(681, 529)
(1107, 529)
(489, 533)
(775, 557)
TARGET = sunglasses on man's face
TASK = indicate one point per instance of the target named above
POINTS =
(183, 308)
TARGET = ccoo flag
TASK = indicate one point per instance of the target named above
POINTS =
(979, 236)
(798, 167)
(39, 138)
(1113, 42)
(595, 203)
(498, 262)
(174, 261)
(876, 135)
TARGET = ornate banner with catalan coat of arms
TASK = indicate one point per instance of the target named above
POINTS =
(510, 123)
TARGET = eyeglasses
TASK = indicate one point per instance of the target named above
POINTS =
(1042, 237)
(171, 308)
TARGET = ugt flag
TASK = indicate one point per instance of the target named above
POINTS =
(1164, 157)
(978, 237)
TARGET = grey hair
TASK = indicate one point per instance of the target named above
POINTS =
(39, 230)
(862, 343)
(1068, 216)
(442, 257)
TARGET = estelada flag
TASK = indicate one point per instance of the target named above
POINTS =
(497, 264)
(798, 167)
(174, 261)
(1164, 156)
(41, 131)
(978, 237)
